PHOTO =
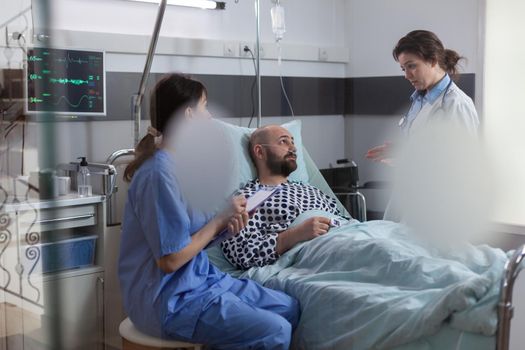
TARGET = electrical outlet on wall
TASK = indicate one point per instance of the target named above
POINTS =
(243, 45)
(12, 36)
(231, 49)
(323, 54)
(251, 46)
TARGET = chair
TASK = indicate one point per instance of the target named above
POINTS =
(133, 339)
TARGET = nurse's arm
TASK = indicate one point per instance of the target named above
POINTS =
(235, 218)
(174, 261)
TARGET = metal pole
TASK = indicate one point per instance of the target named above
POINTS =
(258, 56)
(505, 306)
(137, 99)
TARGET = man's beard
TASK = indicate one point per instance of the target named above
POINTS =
(281, 166)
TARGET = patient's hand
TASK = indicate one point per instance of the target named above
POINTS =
(309, 229)
(313, 227)
(234, 217)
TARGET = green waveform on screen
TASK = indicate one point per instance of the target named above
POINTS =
(75, 105)
(67, 60)
(65, 81)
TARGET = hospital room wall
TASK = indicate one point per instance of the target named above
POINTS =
(373, 27)
(503, 105)
(310, 23)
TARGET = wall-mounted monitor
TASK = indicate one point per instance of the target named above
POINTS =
(65, 82)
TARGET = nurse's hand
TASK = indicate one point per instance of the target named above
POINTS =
(236, 215)
(382, 154)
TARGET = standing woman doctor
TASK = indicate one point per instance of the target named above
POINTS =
(170, 289)
(431, 69)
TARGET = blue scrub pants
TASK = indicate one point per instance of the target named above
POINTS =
(248, 316)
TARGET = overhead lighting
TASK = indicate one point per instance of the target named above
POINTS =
(203, 4)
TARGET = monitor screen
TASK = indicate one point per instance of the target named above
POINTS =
(70, 82)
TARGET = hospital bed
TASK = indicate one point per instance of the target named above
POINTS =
(447, 337)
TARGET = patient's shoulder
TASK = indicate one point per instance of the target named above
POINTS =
(305, 186)
(248, 188)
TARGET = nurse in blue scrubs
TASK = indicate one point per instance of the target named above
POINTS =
(170, 289)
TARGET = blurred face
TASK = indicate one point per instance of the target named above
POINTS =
(280, 152)
(200, 110)
(420, 73)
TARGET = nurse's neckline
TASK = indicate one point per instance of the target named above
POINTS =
(424, 92)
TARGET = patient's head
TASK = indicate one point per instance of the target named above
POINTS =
(273, 151)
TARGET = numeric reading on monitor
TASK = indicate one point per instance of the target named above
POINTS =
(65, 81)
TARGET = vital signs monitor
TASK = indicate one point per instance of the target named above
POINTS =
(66, 82)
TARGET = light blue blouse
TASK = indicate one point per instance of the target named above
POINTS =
(419, 100)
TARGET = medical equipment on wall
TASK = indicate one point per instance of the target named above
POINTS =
(66, 82)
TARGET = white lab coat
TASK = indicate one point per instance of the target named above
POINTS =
(452, 105)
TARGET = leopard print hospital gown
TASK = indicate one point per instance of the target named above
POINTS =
(256, 244)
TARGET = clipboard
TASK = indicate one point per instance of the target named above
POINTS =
(252, 203)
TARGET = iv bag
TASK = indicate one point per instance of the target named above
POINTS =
(278, 24)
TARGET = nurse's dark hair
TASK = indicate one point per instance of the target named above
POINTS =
(428, 47)
(168, 101)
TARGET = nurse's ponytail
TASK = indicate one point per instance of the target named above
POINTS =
(170, 97)
(143, 151)
(450, 63)
(427, 45)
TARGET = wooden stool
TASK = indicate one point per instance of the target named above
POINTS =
(133, 339)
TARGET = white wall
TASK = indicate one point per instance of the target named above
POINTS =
(79, 23)
(503, 105)
(308, 21)
(375, 26)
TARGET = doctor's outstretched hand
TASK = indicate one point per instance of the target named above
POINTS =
(382, 154)
(235, 216)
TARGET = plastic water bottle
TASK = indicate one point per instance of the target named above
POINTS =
(84, 179)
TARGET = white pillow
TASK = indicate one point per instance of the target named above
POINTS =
(243, 167)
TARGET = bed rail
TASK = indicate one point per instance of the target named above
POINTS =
(505, 308)
(112, 200)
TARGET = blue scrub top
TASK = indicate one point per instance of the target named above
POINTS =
(158, 221)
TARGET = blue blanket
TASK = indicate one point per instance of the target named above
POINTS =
(375, 285)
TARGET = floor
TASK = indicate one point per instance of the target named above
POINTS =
(16, 322)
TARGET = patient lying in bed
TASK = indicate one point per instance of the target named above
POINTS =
(376, 284)
(268, 233)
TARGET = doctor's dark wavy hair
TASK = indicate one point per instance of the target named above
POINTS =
(170, 97)
(428, 47)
